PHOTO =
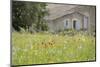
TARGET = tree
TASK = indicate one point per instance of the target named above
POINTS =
(29, 15)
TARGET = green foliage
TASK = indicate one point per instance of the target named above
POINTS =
(22, 30)
(42, 48)
(26, 14)
(69, 32)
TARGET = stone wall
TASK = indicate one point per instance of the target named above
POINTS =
(88, 11)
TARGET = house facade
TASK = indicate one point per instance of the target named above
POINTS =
(75, 17)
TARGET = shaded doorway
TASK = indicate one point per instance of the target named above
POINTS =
(76, 25)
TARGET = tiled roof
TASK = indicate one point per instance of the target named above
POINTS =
(58, 10)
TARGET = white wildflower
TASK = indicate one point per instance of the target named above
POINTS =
(25, 50)
(56, 35)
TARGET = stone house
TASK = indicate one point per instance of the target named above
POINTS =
(76, 17)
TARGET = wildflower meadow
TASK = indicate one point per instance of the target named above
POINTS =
(42, 48)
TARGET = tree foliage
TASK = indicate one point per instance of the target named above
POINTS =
(29, 15)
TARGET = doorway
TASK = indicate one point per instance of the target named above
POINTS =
(76, 25)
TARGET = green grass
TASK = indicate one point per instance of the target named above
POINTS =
(41, 48)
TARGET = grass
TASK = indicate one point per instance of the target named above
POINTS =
(41, 48)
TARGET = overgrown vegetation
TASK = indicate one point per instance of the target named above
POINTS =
(29, 15)
(41, 48)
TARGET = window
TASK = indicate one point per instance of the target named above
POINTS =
(66, 24)
(85, 23)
